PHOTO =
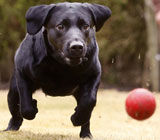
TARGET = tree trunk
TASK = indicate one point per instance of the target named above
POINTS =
(151, 74)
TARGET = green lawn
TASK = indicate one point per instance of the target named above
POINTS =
(109, 120)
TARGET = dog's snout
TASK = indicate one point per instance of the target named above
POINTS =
(76, 48)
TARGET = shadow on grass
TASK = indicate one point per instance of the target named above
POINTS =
(26, 135)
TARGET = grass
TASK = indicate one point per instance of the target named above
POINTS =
(109, 120)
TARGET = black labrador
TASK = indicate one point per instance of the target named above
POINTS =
(60, 56)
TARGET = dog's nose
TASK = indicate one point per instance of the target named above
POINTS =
(76, 47)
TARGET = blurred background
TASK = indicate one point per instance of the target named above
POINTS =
(128, 41)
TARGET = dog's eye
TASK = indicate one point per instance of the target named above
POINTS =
(86, 27)
(60, 27)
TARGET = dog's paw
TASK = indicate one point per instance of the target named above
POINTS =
(14, 124)
(86, 134)
(80, 117)
(30, 112)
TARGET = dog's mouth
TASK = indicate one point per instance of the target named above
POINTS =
(70, 60)
(74, 61)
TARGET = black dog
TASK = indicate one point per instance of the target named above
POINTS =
(60, 56)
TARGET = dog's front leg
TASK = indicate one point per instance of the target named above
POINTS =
(86, 100)
(28, 106)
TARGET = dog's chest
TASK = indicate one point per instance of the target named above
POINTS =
(57, 81)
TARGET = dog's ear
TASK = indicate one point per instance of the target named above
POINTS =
(36, 17)
(99, 13)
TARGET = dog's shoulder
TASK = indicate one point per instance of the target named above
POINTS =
(24, 51)
(30, 51)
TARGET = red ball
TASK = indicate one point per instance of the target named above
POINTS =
(140, 104)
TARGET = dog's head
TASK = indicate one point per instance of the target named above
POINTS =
(69, 27)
